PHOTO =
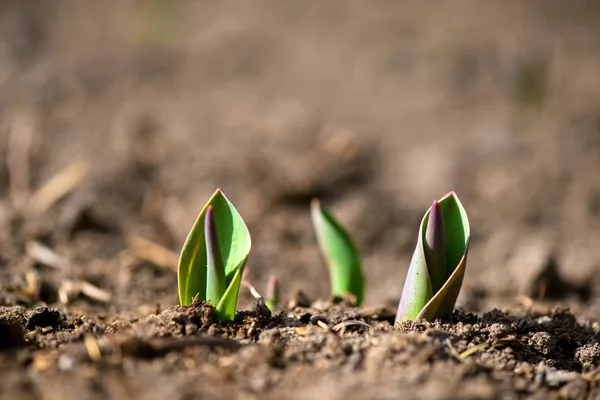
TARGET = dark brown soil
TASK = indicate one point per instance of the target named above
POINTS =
(119, 119)
(326, 351)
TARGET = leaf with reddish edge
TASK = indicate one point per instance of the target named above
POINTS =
(213, 249)
(444, 300)
(419, 299)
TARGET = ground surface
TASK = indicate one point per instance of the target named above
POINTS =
(118, 122)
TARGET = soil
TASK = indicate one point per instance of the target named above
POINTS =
(119, 119)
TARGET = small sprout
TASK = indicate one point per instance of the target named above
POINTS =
(213, 257)
(438, 265)
(272, 296)
(340, 253)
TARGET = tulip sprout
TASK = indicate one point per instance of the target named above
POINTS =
(438, 265)
(340, 253)
(213, 257)
(272, 294)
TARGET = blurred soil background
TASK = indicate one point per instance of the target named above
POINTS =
(119, 119)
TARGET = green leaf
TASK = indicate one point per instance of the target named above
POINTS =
(419, 299)
(227, 306)
(417, 289)
(340, 253)
(230, 249)
(442, 303)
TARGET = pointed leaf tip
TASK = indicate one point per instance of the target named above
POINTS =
(340, 253)
(450, 194)
(418, 299)
(315, 204)
(218, 230)
(272, 281)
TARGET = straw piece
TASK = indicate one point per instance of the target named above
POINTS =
(153, 253)
(59, 186)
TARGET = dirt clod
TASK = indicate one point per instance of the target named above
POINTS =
(12, 334)
(588, 355)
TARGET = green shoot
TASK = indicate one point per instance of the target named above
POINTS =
(272, 295)
(340, 253)
(213, 257)
(438, 265)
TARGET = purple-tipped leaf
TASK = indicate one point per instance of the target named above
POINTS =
(421, 296)
(217, 247)
(216, 283)
(434, 247)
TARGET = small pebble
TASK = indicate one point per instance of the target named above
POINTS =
(190, 329)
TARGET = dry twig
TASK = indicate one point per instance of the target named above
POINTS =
(154, 253)
(45, 255)
(17, 160)
(70, 289)
(345, 324)
(58, 186)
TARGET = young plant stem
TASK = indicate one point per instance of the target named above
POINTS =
(272, 295)
(340, 253)
(435, 248)
(216, 283)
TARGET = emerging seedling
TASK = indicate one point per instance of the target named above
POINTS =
(272, 294)
(213, 257)
(340, 253)
(438, 265)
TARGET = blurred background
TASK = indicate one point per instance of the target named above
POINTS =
(119, 119)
